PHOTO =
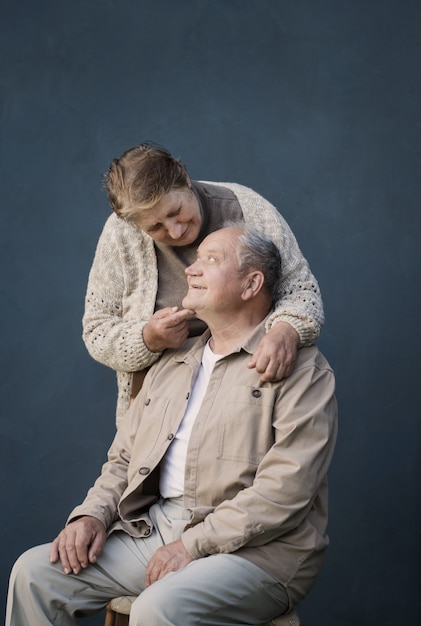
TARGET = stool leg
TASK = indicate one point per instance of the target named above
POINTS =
(110, 617)
(122, 620)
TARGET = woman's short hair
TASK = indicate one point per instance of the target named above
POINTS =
(140, 177)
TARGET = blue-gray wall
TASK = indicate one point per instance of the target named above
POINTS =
(314, 103)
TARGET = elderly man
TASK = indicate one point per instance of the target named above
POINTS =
(212, 506)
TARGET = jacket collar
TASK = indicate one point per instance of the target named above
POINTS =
(195, 349)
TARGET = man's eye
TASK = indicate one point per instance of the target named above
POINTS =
(211, 259)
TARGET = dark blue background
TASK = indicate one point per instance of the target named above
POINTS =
(315, 104)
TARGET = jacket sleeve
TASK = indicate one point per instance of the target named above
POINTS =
(287, 479)
(300, 302)
(118, 302)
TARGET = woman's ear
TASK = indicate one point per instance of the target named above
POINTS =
(253, 283)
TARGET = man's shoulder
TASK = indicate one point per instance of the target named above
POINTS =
(311, 356)
(171, 356)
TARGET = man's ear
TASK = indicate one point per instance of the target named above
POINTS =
(253, 283)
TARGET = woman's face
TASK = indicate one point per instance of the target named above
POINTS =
(175, 220)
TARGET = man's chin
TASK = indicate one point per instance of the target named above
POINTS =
(185, 303)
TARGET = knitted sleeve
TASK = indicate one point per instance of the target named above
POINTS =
(120, 298)
(300, 303)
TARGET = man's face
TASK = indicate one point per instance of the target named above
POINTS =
(213, 280)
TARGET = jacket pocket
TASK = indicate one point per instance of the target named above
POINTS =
(245, 432)
(153, 425)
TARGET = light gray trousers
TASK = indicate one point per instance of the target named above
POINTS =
(221, 589)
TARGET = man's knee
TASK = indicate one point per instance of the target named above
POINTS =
(30, 566)
(156, 605)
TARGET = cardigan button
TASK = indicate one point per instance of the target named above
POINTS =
(144, 471)
(170, 437)
(256, 393)
(148, 401)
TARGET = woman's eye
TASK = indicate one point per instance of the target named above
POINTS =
(174, 213)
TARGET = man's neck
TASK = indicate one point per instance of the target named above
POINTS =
(225, 338)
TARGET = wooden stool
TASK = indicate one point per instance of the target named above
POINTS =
(118, 611)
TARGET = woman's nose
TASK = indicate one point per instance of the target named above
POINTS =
(175, 230)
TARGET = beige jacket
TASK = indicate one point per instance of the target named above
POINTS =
(123, 282)
(255, 479)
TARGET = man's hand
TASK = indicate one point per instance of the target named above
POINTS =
(169, 558)
(276, 354)
(79, 544)
(167, 328)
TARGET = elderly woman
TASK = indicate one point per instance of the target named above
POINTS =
(137, 282)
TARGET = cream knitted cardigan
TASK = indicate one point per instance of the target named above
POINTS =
(123, 284)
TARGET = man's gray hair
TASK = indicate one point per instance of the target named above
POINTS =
(259, 252)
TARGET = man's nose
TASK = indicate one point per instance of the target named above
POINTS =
(193, 269)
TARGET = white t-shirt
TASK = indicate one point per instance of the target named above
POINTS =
(171, 484)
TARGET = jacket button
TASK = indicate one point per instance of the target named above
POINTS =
(256, 393)
(144, 471)
(148, 401)
(170, 437)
